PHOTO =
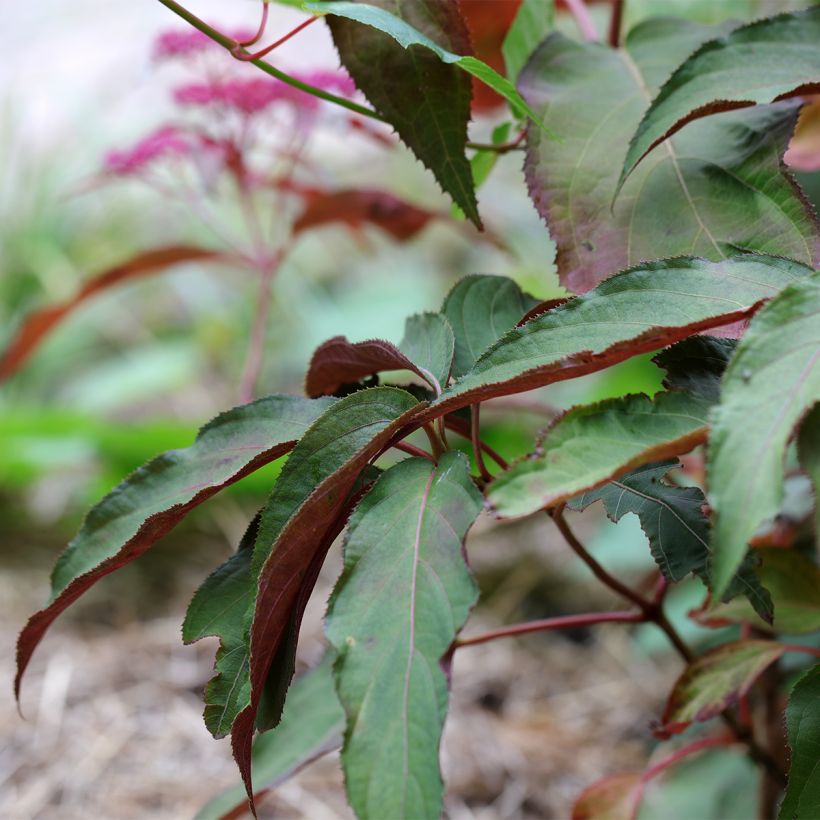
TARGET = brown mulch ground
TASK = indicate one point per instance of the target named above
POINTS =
(113, 707)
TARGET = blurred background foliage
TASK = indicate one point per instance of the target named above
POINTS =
(138, 369)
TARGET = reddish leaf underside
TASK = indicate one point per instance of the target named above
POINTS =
(301, 545)
(39, 323)
(612, 798)
(338, 361)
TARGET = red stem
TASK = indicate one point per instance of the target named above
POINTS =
(413, 450)
(475, 437)
(615, 23)
(562, 622)
(806, 650)
(585, 25)
(244, 57)
(261, 30)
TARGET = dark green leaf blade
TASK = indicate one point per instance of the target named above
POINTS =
(761, 62)
(808, 451)
(404, 594)
(716, 680)
(149, 503)
(645, 308)
(426, 100)
(305, 511)
(594, 443)
(718, 188)
(429, 343)
(696, 365)
(802, 799)
(481, 309)
(772, 380)
(312, 725)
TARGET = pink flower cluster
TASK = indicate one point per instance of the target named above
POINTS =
(161, 143)
(250, 96)
(184, 42)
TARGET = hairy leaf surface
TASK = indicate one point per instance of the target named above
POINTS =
(392, 58)
(594, 443)
(403, 596)
(772, 380)
(429, 343)
(717, 189)
(304, 512)
(761, 62)
(312, 725)
(716, 680)
(802, 799)
(645, 308)
(40, 323)
(481, 309)
(150, 503)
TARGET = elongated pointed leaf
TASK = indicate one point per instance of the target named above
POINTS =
(481, 309)
(772, 380)
(592, 444)
(312, 725)
(802, 799)
(429, 343)
(394, 61)
(676, 526)
(404, 594)
(645, 308)
(151, 502)
(718, 188)
(338, 361)
(716, 680)
(41, 322)
(761, 62)
(808, 451)
(531, 25)
(304, 509)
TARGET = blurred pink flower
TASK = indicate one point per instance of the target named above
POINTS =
(160, 143)
(183, 42)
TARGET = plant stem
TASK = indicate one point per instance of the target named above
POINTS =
(614, 37)
(229, 44)
(585, 24)
(413, 450)
(503, 148)
(545, 624)
(689, 749)
(239, 53)
(806, 650)
(475, 437)
(262, 24)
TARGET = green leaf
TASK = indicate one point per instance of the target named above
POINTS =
(412, 27)
(645, 308)
(312, 725)
(802, 799)
(425, 99)
(481, 309)
(761, 62)
(429, 343)
(151, 502)
(594, 443)
(808, 451)
(773, 378)
(696, 365)
(717, 189)
(792, 580)
(716, 680)
(532, 23)
(404, 594)
(219, 609)
(305, 512)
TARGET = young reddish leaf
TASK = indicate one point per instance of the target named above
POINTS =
(357, 207)
(481, 309)
(338, 361)
(771, 382)
(808, 452)
(312, 725)
(717, 188)
(758, 63)
(612, 798)
(594, 443)
(804, 148)
(792, 579)
(717, 680)
(488, 22)
(150, 503)
(306, 504)
(802, 798)
(404, 594)
(644, 308)
(39, 323)
(426, 100)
